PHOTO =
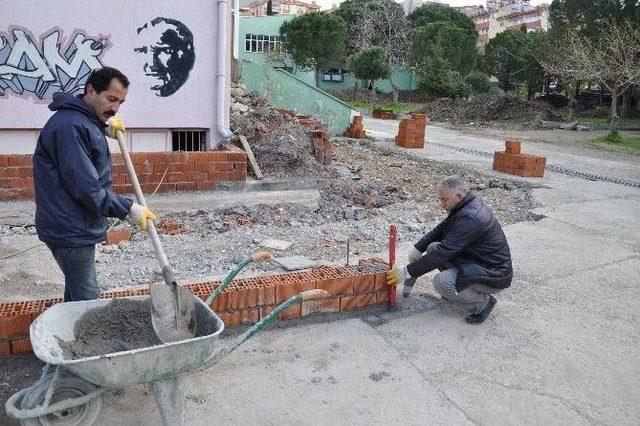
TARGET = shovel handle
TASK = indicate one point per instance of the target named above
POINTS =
(151, 228)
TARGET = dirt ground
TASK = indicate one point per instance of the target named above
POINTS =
(360, 195)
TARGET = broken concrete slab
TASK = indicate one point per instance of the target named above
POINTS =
(295, 263)
(272, 243)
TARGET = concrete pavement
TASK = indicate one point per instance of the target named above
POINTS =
(562, 347)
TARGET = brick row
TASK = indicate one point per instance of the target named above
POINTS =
(245, 300)
(384, 114)
(185, 171)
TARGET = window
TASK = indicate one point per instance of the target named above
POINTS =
(333, 75)
(262, 43)
(189, 140)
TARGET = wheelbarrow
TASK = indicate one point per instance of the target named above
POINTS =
(69, 390)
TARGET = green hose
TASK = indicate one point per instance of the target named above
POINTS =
(227, 280)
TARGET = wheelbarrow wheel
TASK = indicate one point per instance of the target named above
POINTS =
(67, 387)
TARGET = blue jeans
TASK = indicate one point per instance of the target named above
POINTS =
(78, 265)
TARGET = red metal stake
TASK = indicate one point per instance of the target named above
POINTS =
(393, 241)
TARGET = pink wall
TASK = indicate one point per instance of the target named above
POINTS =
(111, 33)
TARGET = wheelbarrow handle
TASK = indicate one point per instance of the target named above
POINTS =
(304, 296)
(255, 257)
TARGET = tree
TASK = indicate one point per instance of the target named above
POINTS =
(442, 50)
(478, 82)
(588, 17)
(454, 44)
(613, 60)
(371, 64)
(503, 58)
(377, 23)
(432, 13)
(315, 41)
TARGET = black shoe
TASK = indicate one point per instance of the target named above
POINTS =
(482, 315)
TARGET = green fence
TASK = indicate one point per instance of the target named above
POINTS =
(286, 91)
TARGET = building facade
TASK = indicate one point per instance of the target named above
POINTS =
(259, 39)
(280, 7)
(490, 23)
(172, 56)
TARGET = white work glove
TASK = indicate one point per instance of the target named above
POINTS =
(414, 255)
(138, 215)
(114, 124)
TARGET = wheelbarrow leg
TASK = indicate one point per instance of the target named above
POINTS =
(170, 398)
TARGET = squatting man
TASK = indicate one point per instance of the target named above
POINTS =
(72, 176)
(469, 249)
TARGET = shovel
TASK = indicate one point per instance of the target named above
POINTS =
(172, 306)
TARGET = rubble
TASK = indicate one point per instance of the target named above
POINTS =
(503, 110)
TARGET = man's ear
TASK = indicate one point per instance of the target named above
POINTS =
(90, 90)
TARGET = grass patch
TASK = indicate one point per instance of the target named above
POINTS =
(615, 139)
(621, 123)
(398, 108)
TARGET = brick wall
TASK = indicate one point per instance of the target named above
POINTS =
(183, 171)
(246, 300)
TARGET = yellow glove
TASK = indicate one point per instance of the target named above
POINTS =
(115, 123)
(138, 215)
(396, 276)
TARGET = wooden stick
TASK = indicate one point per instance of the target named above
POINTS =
(252, 159)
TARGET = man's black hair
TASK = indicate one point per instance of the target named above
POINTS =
(101, 78)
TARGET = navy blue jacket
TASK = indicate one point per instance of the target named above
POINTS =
(72, 177)
(472, 240)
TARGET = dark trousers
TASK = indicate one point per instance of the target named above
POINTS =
(78, 265)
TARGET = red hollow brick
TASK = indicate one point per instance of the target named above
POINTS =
(21, 346)
(364, 283)
(5, 347)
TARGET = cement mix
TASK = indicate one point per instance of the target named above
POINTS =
(122, 325)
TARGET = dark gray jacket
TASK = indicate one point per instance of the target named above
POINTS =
(470, 238)
(72, 176)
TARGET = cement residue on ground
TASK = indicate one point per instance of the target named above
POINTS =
(121, 325)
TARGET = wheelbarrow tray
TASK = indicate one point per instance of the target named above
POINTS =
(122, 369)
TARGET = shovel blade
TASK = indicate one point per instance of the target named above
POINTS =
(172, 312)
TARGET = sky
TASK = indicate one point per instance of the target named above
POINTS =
(326, 4)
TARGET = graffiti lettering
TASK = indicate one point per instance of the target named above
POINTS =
(25, 69)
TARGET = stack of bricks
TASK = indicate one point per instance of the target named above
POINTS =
(320, 139)
(514, 162)
(412, 131)
(356, 129)
(185, 171)
(384, 114)
(246, 300)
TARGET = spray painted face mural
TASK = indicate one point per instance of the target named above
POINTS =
(167, 49)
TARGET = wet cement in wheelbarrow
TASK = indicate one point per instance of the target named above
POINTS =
(121, 325)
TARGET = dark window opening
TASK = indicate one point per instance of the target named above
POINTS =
(189, 140)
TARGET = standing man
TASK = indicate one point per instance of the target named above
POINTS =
(468, 247)
(72, 176)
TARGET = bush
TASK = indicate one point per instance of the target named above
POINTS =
(478, 82)
(612, 137)
(440, 82)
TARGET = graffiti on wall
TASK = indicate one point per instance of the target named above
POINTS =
(40, 69)
(166, 46)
